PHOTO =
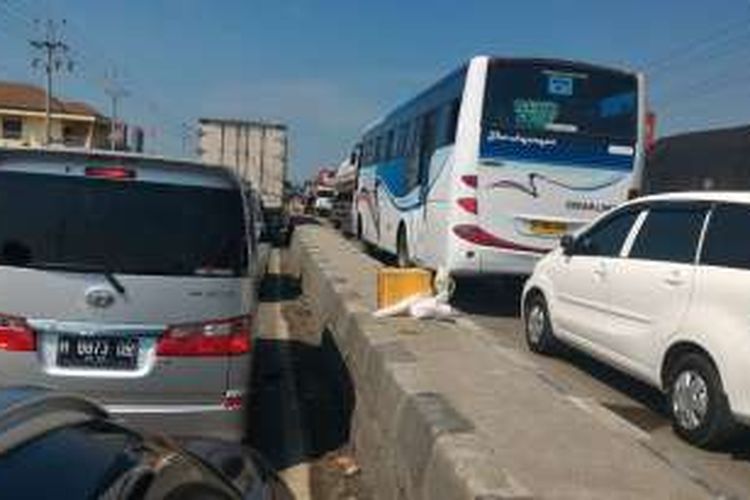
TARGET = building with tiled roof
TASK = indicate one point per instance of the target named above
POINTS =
(22, 119)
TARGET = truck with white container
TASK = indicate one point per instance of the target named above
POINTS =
(257, 151)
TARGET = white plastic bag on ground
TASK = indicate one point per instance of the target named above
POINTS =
(430, 307)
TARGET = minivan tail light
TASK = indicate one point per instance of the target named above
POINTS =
(468, 204)
(113, 173)
(211, 338)
(16, 334)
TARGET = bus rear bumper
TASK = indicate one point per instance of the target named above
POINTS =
(476, 260)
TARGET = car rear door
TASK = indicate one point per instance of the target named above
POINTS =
(651, 288)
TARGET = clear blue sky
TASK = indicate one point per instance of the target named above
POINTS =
(327, 68)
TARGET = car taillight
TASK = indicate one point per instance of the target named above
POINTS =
(16, 334)
(468, 204)
(210, 338)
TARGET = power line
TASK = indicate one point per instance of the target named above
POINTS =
(683, 51)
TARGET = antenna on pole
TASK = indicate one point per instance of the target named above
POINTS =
(53, 58)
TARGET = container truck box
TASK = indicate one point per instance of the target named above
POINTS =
(258, 152)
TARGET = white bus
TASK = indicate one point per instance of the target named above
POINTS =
(485, 170)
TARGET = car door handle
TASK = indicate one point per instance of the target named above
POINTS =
(600, 272)
(674, 280)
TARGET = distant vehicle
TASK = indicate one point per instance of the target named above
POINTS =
(344, 183)
(131, 280)
(717, 160)
(658, 288)
(324, 200)
(483, 171)
(257, 152)
(63, 446)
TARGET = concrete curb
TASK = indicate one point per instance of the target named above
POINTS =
(410, 440)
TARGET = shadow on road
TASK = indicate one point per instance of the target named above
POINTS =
(323, 402)
(290, 427)
(279, 288)
(489, 296)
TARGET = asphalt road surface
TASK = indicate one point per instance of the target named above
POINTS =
(494, 305)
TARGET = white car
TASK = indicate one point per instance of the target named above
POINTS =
(659, 288)
(324, 202)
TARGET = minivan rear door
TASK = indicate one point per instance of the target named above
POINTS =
(100, 260)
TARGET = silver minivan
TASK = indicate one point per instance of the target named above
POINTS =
(129, 279)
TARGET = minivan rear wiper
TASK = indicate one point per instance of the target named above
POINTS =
(85, 268)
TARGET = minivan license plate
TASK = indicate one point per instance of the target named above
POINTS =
(97, 352)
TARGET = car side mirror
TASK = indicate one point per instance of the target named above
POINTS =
(567, 243)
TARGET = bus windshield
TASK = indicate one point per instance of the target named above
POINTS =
(546, 97)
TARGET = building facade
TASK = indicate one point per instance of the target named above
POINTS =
(72, 124)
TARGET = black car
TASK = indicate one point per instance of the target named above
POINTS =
(62, 446)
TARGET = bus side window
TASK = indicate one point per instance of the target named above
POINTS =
(455, 108)
(389, 146)
(403, 138)
(427, 145)
(412, 154)
(378, 154)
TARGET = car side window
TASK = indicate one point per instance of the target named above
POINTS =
(669, 234)
(726, 243)
(605, 239)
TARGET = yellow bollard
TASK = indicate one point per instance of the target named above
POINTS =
(396, 284)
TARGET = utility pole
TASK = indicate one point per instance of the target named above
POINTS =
(186, 136)
(53, 58)
(115, 91)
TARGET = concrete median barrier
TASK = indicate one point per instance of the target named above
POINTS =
(442, 413)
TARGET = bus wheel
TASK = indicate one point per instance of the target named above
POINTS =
(359, 227)
(402, 248)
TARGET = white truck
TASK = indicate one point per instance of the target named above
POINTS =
(258, 152)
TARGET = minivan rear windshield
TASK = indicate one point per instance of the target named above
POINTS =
(132, 227)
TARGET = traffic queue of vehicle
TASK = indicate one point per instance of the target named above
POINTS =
(653, 286)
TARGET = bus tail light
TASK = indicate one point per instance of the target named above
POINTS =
(16, 335)
(478, 236)
(471, 181)
(211, 338)
(650, 131)
(468, 204)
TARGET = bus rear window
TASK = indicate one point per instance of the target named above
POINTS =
(88, 224)
(547, 98)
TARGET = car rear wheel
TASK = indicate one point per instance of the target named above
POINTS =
(538, 327)
(699, 406)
